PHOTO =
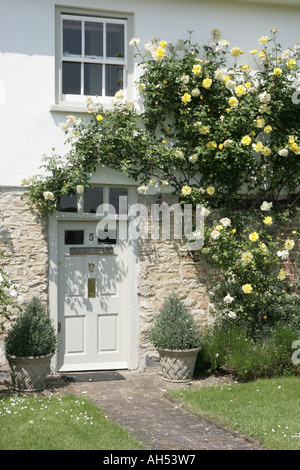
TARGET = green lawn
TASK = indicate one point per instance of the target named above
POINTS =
(59, 423)
(267, 410)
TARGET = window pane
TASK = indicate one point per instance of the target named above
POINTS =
(68, 203)
(113, 79)
(71, 78)
(115, 40)
(114, 194)
(71, 37)
(93, 197)
(73, 237)
(93, 79)
(93, 39)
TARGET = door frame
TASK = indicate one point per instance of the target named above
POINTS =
(105, 177)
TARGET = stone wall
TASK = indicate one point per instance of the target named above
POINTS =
(165, 266)
(23, 237)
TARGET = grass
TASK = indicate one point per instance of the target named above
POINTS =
(59, 423)
(267, 410)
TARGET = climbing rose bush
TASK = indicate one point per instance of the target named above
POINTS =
(212, 126)
(220, 132)
(254, 286)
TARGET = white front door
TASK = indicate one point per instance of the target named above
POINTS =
(93, 304)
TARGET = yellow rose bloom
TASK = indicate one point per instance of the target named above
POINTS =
(206, 83)
(210, 190)
(258, 147)
(99, 117)
(186, 190)
(246, 140)
(247, 257)
(196, 69)
(247, 288)
(266, 151)
(263, 247)
(268, 220)
(264, 40)
(163, 43)
(253, 236)
(248, 85)
(233, 102)
(240, 90)
(235, 51)
(291, 63)
(282, 274)
(160, 53)
(289, 244)
(253, 51)
(259, 122)
(267, 129)
(277, 71)
(204, 130)
(211, 145)
(186, 98)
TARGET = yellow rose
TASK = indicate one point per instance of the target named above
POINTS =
(160, 53)
(233, 102)
(186, 98)
(247, 288)
(247, 257)
(186, 190)
(206, 83)
(267, 129)
(240, 90)
(99, 117)
(163, 43)
(210, 190)
(277, 71)
(282, 274)
(263, 247)
(196, 69)
(289, 244)
(264, 40)
(268, 220)
(253, 51)
(258, 147)
(266, 151)
(259, 122)
(253, 236)
(211, 145)
(291, 63)
(204, 130)
(235, 51)
(246, 140)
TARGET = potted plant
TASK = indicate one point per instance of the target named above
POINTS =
(177, 338)
(29, 346)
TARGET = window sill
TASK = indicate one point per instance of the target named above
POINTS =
(69, 107)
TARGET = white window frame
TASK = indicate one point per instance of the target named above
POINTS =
(78, 102)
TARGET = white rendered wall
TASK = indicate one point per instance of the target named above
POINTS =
(27, 59)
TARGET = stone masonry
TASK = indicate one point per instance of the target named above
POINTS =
(23, 237)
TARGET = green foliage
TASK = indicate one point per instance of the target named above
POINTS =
(253, 286)
(208, 121)
(32, 334)
(174, 327)
(232, 349)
